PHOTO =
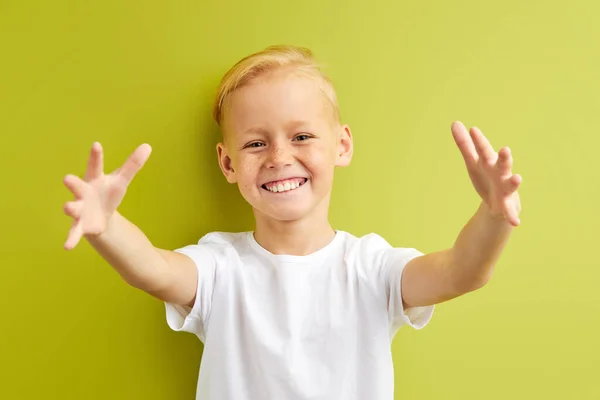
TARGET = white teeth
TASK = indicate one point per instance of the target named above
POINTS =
(283, 187)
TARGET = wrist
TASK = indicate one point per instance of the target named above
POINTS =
(105, 230)
(497, 217)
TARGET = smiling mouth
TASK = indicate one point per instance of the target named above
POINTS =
(286, 185)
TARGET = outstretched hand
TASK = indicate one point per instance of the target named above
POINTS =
(490, 172)
(97, 195)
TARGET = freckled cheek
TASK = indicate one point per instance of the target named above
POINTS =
(248, 171)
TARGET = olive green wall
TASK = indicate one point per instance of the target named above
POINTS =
(125, 72)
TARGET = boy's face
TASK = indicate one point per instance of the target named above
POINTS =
(281, 145)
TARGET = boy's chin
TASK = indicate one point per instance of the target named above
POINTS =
(283, 214)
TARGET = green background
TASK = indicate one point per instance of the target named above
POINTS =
(129, 72)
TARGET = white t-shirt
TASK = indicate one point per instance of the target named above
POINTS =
(288, 327)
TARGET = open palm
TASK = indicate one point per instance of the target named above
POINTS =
(490, 172)
(97, 195)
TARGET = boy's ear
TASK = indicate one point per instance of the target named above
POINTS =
(345, 147)
(225, 163)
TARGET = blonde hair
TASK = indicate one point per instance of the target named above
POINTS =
(272, 58)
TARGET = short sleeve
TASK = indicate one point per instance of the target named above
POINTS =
(387, 264)
(194, 320)
(394, 261)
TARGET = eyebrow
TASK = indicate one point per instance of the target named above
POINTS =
(256, 129)
(294, 124)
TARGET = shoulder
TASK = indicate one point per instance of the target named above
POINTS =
(223, 238)
(218, 244)
(370, 242)
(373, 248)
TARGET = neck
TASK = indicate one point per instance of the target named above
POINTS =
(297, 237)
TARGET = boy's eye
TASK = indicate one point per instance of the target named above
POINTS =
(254, 144)
(302, 137)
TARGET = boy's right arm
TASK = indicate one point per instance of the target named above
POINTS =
(164, 274)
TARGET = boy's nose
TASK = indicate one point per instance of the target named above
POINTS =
(279, 156)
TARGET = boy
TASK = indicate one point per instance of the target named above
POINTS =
(294, 309)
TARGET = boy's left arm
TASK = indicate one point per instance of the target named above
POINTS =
(440, 276)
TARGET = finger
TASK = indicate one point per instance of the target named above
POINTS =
(75, 185)
(464, 143)
(95, 164)
(135, 162)
(505, 161)
(512, 184)
(484, 148)
(512, 216)
(74, 236)
(73, 209)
